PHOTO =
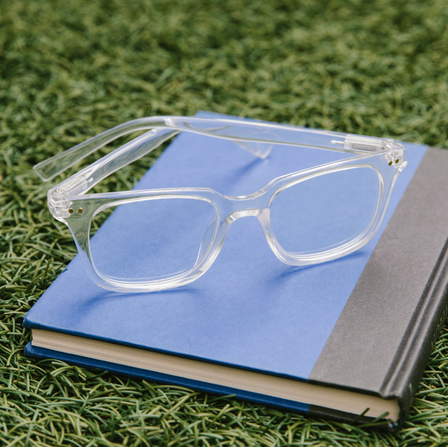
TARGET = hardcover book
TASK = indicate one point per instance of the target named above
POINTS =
(347, 339)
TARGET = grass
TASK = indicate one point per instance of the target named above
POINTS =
(69, 70)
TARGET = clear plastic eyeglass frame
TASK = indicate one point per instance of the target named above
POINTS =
(69, 203)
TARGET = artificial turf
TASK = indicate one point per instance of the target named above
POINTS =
(69, 70)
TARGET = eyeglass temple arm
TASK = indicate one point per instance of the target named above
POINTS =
(50, 168)
(88, 177)
(257, 138)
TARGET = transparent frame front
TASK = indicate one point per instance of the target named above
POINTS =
(70, 204)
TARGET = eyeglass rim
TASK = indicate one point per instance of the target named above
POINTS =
(223, 225)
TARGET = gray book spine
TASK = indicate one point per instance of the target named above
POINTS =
(384, 336)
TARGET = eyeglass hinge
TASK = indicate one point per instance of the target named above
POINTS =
(58, 203)
(361, 144)
(58, 198)
(396, 154)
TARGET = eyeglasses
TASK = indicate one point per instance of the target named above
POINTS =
(165, 238)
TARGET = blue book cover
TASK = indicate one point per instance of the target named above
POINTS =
(362, 324)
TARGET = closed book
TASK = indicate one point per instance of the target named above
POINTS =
(347, 339)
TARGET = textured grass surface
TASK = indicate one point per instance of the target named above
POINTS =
(69, 70)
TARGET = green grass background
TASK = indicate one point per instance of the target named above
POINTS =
(71, 69)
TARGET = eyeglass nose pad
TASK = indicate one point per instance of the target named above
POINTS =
(206, 239)
(261, 150)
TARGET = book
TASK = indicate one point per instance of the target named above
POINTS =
(347, 339)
